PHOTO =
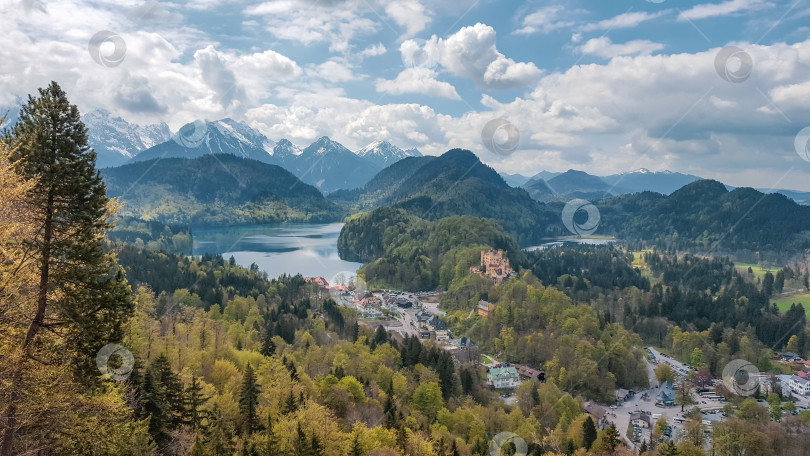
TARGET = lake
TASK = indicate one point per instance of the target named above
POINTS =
(308, 249)
(569, 241)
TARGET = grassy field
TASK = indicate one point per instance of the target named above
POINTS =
(759, 271)
(803, 299)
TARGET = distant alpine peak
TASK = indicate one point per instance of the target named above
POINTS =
(286, 148)
(647, 171)
(383, 153)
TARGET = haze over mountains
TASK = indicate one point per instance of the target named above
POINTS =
(330, 166)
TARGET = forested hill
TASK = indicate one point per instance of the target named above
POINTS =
(457, 183)
(380, 189)
(216, 190)
(705, 215)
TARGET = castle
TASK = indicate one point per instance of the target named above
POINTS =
(493, 265)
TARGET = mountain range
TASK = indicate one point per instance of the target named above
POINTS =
(218, 189)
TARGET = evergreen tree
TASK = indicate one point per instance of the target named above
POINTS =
(316, 449)
(82, 297)
(355, 332)
(171, 390)
(290, 405)
(194, 402)
(611, 438)
(249, 401)
(268, 346)
(301, 445)
(588, 432)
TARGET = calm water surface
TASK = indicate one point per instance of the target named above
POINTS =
(308, 249)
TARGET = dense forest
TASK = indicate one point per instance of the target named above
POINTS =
(216, 190)
(407, 252)
(704, 216)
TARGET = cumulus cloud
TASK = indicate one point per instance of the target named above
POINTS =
(604, 47)
(471, 53)
(373, 50)
(334, 70)
(409, 14)
(417, 80)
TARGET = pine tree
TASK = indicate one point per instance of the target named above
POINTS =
(301, 445)
(355, 332)
(194, 402)
(268, 346)
(611, 438)
(316, 449)
(249, 401)
(82, 297)
(171, 391)
(290, 405)
(588, 432)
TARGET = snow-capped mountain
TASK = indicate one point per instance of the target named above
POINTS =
(115, 140)
(383, 153)
(285, 149)
(330, 166)
(225, 136)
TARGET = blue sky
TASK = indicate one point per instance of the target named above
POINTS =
(600, 86)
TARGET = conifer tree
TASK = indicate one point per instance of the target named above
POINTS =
(82, 297)
(588, 432)
(195, 413)
(249, 401)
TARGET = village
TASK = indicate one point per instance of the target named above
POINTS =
(653, 413)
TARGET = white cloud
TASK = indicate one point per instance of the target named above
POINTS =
(338, 22)
(334, 70)
(721, 9)
(471, 53)
(545, 20)
(417, 80)
(409, 14)
(604, 47)
(373, 50)
(626, 20)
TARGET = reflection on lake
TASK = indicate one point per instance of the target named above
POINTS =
(569, 241)
(308, 249)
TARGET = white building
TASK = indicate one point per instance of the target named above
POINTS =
(800, 385)
(503, 377)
